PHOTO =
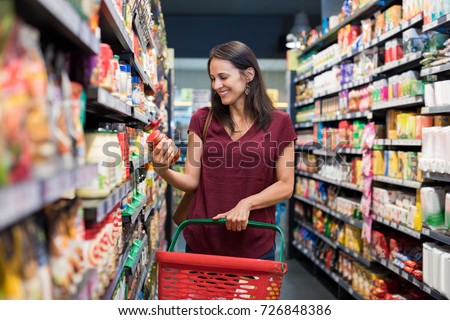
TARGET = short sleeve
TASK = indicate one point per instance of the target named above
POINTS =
(198, 120)
(285, 131)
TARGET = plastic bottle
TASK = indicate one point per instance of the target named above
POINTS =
(156, 137)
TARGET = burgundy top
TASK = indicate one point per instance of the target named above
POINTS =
(231, 171)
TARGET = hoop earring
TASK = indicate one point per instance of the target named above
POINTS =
(247, 89)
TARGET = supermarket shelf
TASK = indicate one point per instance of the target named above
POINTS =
(139, 31)
(399, 103)
(324, 153)
(347, 116)
(331, 274)
(136, 212)
(437, 176)
(356, 151)
(306, 225)
(355, 255)
(304, 103)
(46, 14)
(99, 97)
(361, 13)
(149, 211)
(384, 37)
(349, 289)
(307, 147)
(354, 222)
(82, 286)
(311, 256)
(304, 76)
(139, 162)
(115, 25)
(442, 24)
(350, 85)
(436, 235)
(375, 42)
(409, 277)
(316, 176)
(397, 226)
(121, 265)
(435, 70)
(328, 153)
(97, 209)
(139, 116)
(398, 142)
(436, 110)
(40, 192)
(304, 125)
(144, 276)
(410, 58)
(132, 270)
(398, 182)
(137, 67)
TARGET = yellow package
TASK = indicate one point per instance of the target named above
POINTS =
(418, 213)
(378, 162)
(393, 165)
(419, 172)
(411, 127)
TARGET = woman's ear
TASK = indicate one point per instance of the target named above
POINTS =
(250, 73)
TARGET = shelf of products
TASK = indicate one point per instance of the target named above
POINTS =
(398, 149)
(351, 221)
(398, 142)
(309, 227)
(116, 25)
(435, 70)
(332, 275)
(398, 182)
(316, 176)
(397, 226)
(405, 275)
(303, 125)
(98, 209)
(436, 235)
(443, 21)
(399, 103)
(354, 255)
(40, 192)
(348, 116)
(435, 110)
(47, 13)
(361, 13)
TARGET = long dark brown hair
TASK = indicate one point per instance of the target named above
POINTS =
(258, 105)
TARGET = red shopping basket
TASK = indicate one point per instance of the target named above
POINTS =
(191, 276)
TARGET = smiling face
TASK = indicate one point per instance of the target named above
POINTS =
(228, 82)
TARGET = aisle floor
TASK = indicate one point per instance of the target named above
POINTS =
(300, 283)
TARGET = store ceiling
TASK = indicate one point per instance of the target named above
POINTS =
(195, 26)
(240, 7)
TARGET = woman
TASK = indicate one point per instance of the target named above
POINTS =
(244, 167)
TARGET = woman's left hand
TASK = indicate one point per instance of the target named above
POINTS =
(237, 218)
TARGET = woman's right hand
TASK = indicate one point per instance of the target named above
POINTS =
(163, 154)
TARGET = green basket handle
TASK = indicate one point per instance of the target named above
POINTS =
(255, 224)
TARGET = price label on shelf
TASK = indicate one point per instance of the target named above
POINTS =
(350, 290)
(405, 275)
(416, 282)
(426, 232)
(384, 262)
(394, 268)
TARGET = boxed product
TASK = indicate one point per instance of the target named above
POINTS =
(392, 17)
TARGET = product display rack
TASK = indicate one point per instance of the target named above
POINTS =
(341, 282)
(377, 111)
(63, 26)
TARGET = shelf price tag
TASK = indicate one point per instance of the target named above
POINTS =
(426, 231)
(416, 282)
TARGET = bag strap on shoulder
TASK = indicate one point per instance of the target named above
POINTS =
(207, 123)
